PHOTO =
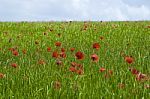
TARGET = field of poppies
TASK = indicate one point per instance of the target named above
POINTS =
(74, 60)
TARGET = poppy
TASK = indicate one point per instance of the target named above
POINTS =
(79, 55)
(62, 50)
(2, 75)
(72, 49)
(58, 44)
(79, 66)
(55, 54)
(110, 72)
(14, 65)
(102, 69)
(11, 49)
(94, 57)
(15, 53)
(72, 69)
(63, 54)
(74, 64)
(96, 46)
(80, 71)
(129, 59)
(134, 71)
(48, 49)
(140, 76)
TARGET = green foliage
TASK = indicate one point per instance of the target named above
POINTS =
(34, 80)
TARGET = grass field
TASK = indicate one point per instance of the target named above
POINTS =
(74, 60)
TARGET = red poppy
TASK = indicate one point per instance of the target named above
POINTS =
(55, 54)
(79, 55)
(102, 69)
(2, 75)
(73, 64)
(129, 59)
(14, 65)
(72, 49)
(15, 53)
(72, 69)
(140, 76)
(48, 49)
(80, 71)
(96, 46)
(134, 71)
(79, 66)
(58, 44)
(110, 72)
(63, 54)
(94, 57)
(11, 49)
(62, 50)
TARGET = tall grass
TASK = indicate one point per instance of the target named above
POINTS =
(47, 80)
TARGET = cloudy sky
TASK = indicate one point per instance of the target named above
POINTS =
(61, 10)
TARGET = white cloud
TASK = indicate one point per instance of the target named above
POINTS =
(135, 13)
(39, 10)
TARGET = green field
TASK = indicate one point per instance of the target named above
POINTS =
(33, 67)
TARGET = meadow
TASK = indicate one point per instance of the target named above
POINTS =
(75, 60)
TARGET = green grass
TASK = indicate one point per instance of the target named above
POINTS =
(31, 80)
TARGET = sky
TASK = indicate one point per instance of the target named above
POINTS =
(75, 10)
